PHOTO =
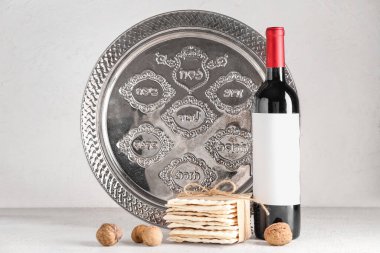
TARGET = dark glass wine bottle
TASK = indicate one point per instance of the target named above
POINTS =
(276, 154)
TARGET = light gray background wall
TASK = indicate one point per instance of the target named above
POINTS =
(48, 48)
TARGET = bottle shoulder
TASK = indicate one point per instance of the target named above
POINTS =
(273, 89)
(275, 96)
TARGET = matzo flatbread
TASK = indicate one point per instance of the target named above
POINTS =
(202, 202)
(175, 209)
(204, 227)
(170, 217)
(185, 232)
(203, 208)
(202, 214)
(197, 240)
(203, 223)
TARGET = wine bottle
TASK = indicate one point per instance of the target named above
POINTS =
(276, 153)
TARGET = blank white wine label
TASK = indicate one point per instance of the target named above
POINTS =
(276, 158)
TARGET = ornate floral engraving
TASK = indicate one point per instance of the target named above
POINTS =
(144, 96)
(232, 93)
(230, 147)
(189, 117)
(191, 67)
(145, 144)
(186, 169)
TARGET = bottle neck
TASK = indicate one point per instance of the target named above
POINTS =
(276, 74)
(275, 53)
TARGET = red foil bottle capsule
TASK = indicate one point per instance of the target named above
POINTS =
(275, 47)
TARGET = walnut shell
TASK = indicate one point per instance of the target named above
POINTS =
(137, 233)
(152, 236)
(278, 234)
(109, 234)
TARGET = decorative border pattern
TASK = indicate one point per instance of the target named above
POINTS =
(209, 174)
(127, 91)
(230, 77)
(212, 143)
(125, 144)
(168, 117)
(94, 151)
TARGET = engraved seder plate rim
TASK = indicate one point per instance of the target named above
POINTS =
(92, 110)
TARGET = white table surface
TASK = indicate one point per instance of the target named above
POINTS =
(73, 230)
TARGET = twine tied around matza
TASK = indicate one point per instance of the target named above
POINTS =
(197, 190)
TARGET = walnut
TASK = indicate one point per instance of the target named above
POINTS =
(152, 236)
(109, 234)
(137, 233)
(278, 234)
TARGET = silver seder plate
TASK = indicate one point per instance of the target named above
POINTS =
(169, 102)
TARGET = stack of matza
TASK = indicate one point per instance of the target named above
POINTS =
(210, 219)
